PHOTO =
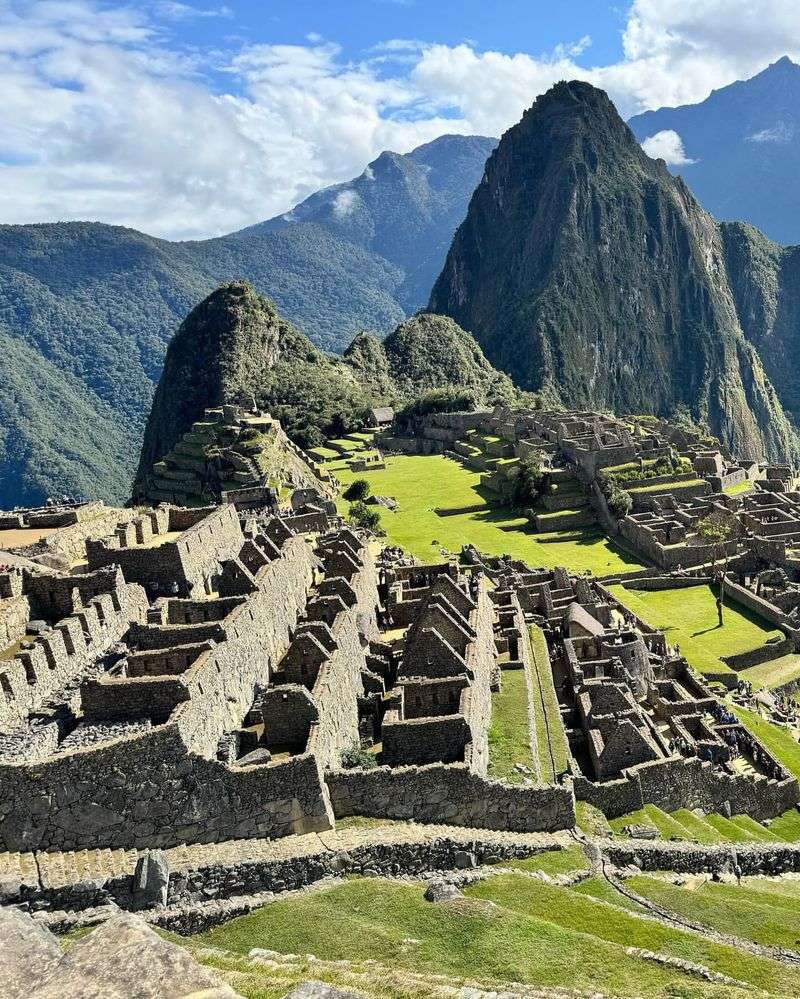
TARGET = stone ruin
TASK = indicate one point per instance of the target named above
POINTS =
(216, 674)
(234, 454)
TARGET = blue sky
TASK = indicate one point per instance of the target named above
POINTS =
(360, 25)
(190, 118)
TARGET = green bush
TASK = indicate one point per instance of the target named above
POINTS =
(355, 757)
(357, 490)
(528, 482)
(620, 502)
(364, 516)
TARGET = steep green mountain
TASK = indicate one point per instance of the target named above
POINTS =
(429, 352)
(765, 280)
(235, 348)
(585, 270)
(95, 306)
(742, 147)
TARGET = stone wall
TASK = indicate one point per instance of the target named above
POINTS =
(63, 653)
(452, 794)
(95, 521)
(689, 783)
(159, 787)
(425, 740)
(14, 617)
(148, 791)
(746, 597)
(482, 661)
(338, 685)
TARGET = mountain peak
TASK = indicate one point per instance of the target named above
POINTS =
(587, 272)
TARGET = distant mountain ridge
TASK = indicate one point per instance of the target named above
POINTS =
(586, 271)
(743, 149)
(93, 306)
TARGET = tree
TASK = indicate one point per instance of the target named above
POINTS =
(357, 490)
(528, 482)
(364, 516)
(717, 529)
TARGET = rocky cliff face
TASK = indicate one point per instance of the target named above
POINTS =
(585, 270)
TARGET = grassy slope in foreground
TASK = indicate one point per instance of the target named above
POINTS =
(534, 933)
(689, 619)
(422, 483)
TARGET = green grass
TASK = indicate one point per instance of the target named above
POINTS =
(566, 861)
(534, 933)
(743, 910)
(737, 490)
(591, 820)
(666, 487)
(688, 617)
(422, 482)
(787, 826)
(509, 731)
(650, 815)
(583, 914)
(551, 740)
(767, 676)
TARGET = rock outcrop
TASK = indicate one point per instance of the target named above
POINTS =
(585, 270)
(122, 957)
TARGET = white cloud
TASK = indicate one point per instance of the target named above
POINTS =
(344, 203)
(782, 132)
(104, 118)
(667, 146)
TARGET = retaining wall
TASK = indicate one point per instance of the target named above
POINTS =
(451, 794)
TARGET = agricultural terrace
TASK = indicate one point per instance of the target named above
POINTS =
(423, 483)
(384, 939)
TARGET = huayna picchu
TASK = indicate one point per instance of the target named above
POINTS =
(586, 271)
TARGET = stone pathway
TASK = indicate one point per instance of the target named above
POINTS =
(57, 870)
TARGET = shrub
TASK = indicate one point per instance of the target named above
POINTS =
(355, 757)
(620, 502)
(357, 490)
(528, 481)
(364, 516)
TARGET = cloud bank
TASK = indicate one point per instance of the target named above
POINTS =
(105, 117)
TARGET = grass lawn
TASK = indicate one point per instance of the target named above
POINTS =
(551, 739)
(553, 861)
(420, 483)
(688, 617)
(666, 487)
(737, 490)
(743, 910)
(580, 913)
(534, 933)
(509, 731)
(774, 673)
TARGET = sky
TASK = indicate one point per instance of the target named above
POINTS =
(193, 118)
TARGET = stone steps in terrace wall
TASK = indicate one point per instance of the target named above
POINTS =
(61, 869)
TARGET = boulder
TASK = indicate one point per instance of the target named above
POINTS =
(29, 951)
(125, 957)
(441, 891)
